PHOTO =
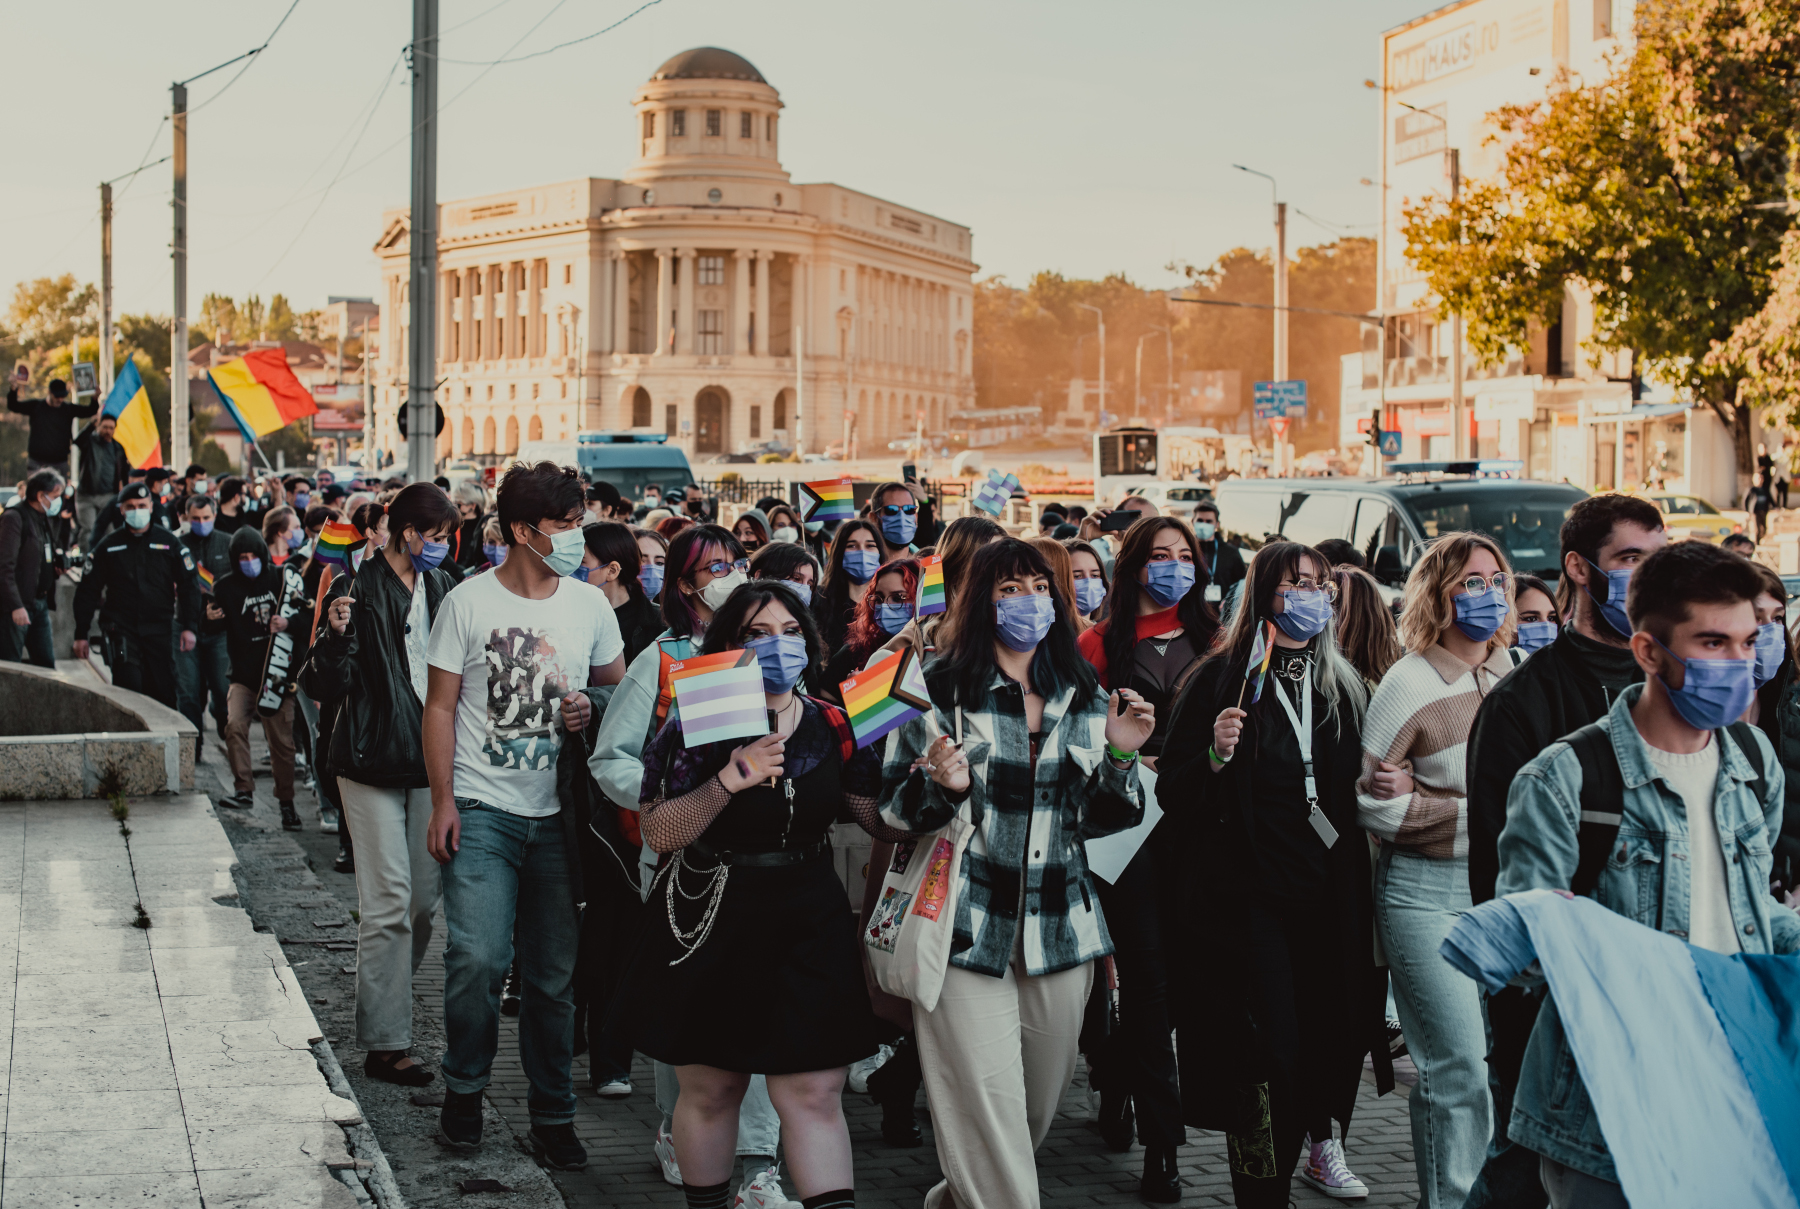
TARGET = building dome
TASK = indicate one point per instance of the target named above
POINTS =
(708, 63)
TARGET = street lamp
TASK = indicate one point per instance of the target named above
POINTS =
(1280, 267)
(1100, 321)
(1459, 426)
(1137, 381)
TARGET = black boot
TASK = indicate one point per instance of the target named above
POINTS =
(459, 1124)
(895, 1086)
(290, 819)
(1161, 1183)
(1117, 1121)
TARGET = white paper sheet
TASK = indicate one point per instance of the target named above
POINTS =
(1108, 857)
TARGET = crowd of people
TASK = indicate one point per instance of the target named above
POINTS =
(486, 697)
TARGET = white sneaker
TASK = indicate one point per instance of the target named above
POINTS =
(763, 1191)
(614, 1089)
(1325, 1170)
(665, 1156)
(862, 1068)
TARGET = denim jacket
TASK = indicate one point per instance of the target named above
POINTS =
(1645, 880)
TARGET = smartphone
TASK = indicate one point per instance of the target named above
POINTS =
(1119, 520)
(909, 473)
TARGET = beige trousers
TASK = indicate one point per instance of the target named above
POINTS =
(278, 730)
(997, 1054)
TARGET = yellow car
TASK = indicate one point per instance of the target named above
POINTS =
(1688, 517)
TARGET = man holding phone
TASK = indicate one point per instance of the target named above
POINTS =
(51, 421)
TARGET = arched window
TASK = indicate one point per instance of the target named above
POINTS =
(512, 435)
(781, 409)
(468, 434)
(535, 432)
(640, 408)
(487, 436)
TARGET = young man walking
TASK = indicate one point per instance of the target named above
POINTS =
(1698, 796)
(509, 652)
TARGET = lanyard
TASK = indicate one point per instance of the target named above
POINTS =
(1303, 731)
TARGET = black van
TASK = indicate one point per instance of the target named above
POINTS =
(1390, 520)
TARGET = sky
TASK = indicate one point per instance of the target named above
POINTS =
(1080, 138)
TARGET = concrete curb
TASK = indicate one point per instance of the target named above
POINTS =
(370, 1175)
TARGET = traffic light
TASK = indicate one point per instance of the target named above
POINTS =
(1375, 428)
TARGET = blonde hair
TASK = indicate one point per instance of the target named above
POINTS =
(1426, 611)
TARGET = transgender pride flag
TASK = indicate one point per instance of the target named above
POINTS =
(1691, 1059)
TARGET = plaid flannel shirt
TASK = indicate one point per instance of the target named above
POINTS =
(1026, 862)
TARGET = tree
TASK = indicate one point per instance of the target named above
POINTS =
(1643, 189)
(51, 311)
(280, 322)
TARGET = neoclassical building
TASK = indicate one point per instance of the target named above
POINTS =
(703, 294)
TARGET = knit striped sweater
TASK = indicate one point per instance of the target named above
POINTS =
(1420, 717)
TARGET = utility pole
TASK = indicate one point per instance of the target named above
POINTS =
(799, 390)
(421, 361)
(106, 332)
(1281, 293)
(180, 448)
(1100, 321)
(1459, 419)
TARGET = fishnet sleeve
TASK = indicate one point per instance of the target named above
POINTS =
(673, 823)
(869, 819)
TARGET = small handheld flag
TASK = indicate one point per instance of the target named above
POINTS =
(931, 587)
(336, 540)
(1258, 668)
(831, 500)
(888, 693)
(991, 497)
(720, 697)
(206, 579)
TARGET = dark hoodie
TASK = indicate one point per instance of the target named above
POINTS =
(248, 604)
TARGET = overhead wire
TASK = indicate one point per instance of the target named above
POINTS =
(550, 49)
(252, 56)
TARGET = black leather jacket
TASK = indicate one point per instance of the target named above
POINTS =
(377, 739)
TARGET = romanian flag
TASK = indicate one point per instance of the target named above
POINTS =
(1260, 654)
(130, 406)
(827, 501)
(931, 587)
(720, 697)
(335, 543)
(888, 693)
(261, 392)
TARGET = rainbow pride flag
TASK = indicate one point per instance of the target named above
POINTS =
(719, 697)
(261, 393)
(336, 540)
(888, 693)
(931, 587)
(206, 579)
(129, 404)
(1260, 654)
(831, 500)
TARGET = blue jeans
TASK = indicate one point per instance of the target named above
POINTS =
(1417, 901)
(202, 672)
(28, 643)
(511, 882)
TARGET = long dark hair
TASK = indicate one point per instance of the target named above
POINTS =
(1119, 639)
(612, 542)
(835, 598)
(969, 651)
(779, 560)
(1339, 682)
(865, 633)
(726, 633)
(690, 548)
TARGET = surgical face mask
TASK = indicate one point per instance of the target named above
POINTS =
(861, 565)
(1535, 635)
(296, 537)
(814, 526)
(1714, 693)
(786, 533)
(652, 500)
(651, 576)
(803, 591)
(54, 507)
(1305, 614)
(1479, 616)
(250, 568)
(1090, 594)
(430, 554)
(716, 593)
(1204, 530)
(782, 658)
(137, 518)
(200, 528)
(495, 554)
(892, 618)
(899, 530)
(1168, 581)
(302, 500)
(582, 573)
(1024, 620)
(200, 486)
(1613, 607)
(566, 549)
(1771, 648)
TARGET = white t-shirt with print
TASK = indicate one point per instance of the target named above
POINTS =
(518, 659)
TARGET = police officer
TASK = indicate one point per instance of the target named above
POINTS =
(141, 580)
(206, 670)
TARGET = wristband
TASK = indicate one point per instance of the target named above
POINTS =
(1213, 752)
(1124, 757)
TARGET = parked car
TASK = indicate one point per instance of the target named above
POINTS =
(628, 460)
(1688, 517)
(1174, 499)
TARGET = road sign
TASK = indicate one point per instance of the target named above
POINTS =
(1274, 399)
(1390, 444)
(1279, 426)
(400, 419)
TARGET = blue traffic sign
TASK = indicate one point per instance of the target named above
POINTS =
(1390, 444)
(1275, 399)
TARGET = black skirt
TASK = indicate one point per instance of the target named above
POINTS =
(777, 988)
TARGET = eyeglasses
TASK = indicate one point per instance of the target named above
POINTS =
(1306, 584)
(724, 568)
(899, 509)
(1477, 585)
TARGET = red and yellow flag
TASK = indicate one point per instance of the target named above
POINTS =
(261, 392)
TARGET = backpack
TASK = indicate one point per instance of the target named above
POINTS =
(1603, 795)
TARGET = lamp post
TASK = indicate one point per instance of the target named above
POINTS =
(1100, 321)
(1168, 369)
(1459, 421)
(1280, 267)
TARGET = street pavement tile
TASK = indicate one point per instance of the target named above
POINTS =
(240, 978)
(98, 1152)
(90, 1058)
(164, 1190)
(277, 1188)
(290, 1033)
(210, 931)
(247, 1068)
(90, 950)
(258, 951)
(69, 874)
(111, 998)
(61, 914)
(256, 1144)
(61, 1109)
(224, 1107)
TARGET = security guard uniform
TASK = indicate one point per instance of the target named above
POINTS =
(144, 588)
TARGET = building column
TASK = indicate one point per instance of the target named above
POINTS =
(469, 351)
(665, 299)
(764, 262)
(740, 302)
(537, 273)
(684, 322)
(621, 317)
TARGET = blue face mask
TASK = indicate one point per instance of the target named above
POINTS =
(1306, 614)
(1535, 635)
(1478, 617)
(566, 549)
(430, 556)
(651, 576)
(1168, 581)
(1771, 648)
(1090, 594)
(1714, 692)
(200, 528)
(1613, 607)
(250, 568)
(803, 591)
(302, 500)
(1024, 620)
(782, 658)
(892, 618)
(495, 554)
(861, 565)
(899, 530)
(54, 507)
(580, 573)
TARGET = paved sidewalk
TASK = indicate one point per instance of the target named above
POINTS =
(153, 1046)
